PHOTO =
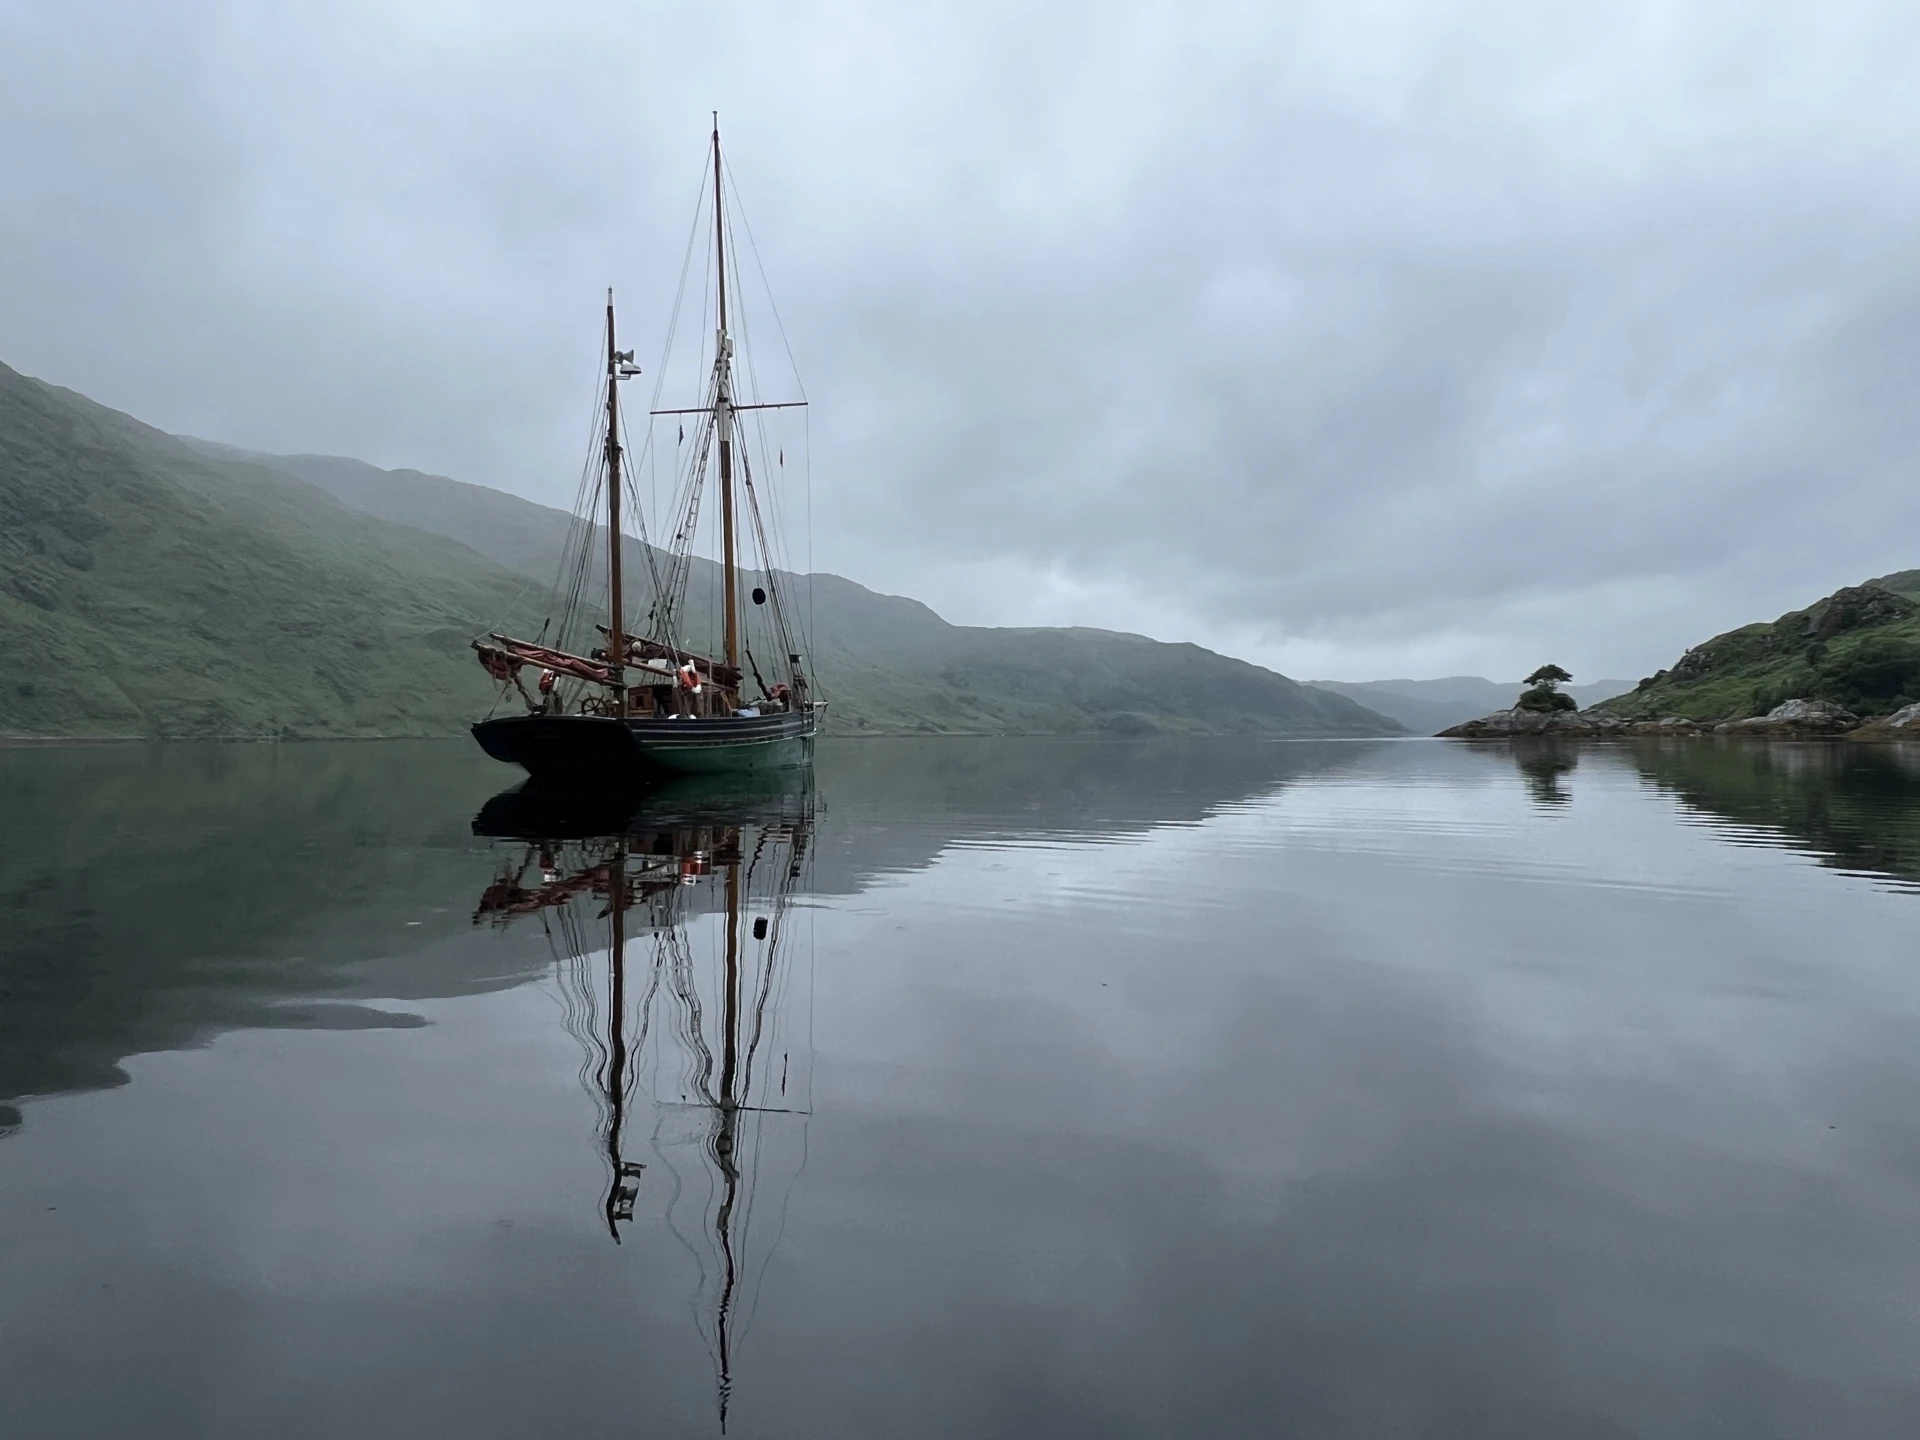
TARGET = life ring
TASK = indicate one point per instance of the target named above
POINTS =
(689, 679)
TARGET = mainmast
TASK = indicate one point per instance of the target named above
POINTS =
(723, 415)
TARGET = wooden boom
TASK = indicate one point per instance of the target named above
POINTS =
(727, 677)
(656, 661)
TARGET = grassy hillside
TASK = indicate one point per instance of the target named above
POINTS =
(1858, 647)
(149, 589)
(512, 532)
(889, 664)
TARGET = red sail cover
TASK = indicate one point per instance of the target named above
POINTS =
(507, 655)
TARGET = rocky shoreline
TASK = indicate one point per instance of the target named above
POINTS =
(1793, 720)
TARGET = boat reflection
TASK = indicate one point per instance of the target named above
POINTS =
(669, 916)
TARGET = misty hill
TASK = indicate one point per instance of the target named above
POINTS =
(1428, 706)
(887, 663)
(149, 589)
(1858, 647)
(149, 586)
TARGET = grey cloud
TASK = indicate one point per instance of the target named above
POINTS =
(1423, 336)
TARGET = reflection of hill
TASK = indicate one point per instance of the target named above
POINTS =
(888, 806)
(156, 895)
(1855, 807)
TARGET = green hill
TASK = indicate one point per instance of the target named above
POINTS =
(148, 589)
(1858, 647)
(155, 586)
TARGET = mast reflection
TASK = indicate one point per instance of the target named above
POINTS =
(684, 896)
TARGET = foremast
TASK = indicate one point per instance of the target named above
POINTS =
(616, 604)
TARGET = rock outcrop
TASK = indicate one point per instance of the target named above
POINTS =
(1903, 724)
(1506, 724)
(1796, 718)
(1793, 719)
(1854, 607)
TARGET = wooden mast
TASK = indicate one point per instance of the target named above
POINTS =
(616, 634)
(723, 418)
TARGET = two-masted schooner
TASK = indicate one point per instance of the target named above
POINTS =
(642, 700)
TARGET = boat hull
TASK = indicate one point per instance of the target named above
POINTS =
(563, 746)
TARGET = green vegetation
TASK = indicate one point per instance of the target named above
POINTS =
(1859, 647)
(151, 586)
(1543, 692)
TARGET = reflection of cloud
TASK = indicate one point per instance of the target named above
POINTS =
(1285, 1122)
(1321, 1203)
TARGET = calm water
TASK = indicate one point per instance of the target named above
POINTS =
(988, 1089)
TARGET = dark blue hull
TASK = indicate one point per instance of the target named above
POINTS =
(560, 746)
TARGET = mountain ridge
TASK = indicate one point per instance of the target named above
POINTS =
(857, 631)
(154, 586)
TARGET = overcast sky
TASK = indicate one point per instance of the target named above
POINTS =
(1356, 338)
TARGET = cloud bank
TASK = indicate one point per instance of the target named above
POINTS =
(1355, 338)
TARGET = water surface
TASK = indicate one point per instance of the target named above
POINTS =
(1342, 1089)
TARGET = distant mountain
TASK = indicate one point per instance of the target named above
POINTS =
(1427, 707)
(152, 586)
(1858, 647)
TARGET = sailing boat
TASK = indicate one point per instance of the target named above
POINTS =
(643, 702)
(723, 1049)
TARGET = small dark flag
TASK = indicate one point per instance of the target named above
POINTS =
(783, 454)
(683, 436)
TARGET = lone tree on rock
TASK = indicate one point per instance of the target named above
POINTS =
(1543, 691)
(1548, 677)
